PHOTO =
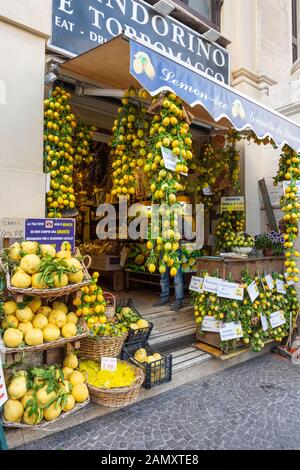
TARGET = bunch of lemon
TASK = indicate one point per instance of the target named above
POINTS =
(229, 224)
(82, 141)
(130, 135)
(59, 124)
(289, 170)
(91, 303)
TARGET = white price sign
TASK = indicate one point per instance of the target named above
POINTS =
(230, 290)
(211, 324)
(264, 322)
(196, 284)
(277, 319)
(270, 282)
(3, 391)
(170, 159)
(211, 284)
(229, 331)
(208, 191)
(109, 363)
(280, 286)
(253, 291)
(290, 282)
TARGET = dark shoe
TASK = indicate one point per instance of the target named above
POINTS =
(161, 303)
(176, 306)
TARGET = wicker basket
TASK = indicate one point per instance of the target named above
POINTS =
(46, 345)
(110, 309)
(118, 397)
(95, 347)
(50, 292)
(45, 424)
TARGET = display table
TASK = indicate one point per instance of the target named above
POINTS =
(255, 264)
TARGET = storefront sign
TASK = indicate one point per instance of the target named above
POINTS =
(280, 286)
(287, 184)
(78, 26)
(170, 159)
(3, 391)
(211, 284)
(196, 284)
(264, 322)
(211, 324)
(12, 227)
(277, 319)
(109, 363)
(232, 204)
(51, 231)
(253, 291)
(230, 290)
(229, 331)
(270, 282)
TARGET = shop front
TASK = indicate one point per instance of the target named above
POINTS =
(141, 150)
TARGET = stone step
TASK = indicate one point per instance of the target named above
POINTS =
(172, 334)
(188, 357)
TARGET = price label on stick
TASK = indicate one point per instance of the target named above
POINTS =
(264, 322)
(253, 291)
(290, 282)
(277, 319)
(280, 286)
(109, 363)
(230, 290)
(211, 324)
(211, 284)
(229, 331)
(270, 282)
(196, 284)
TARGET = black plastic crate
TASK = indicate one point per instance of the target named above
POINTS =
(156, 373)
(135, 337)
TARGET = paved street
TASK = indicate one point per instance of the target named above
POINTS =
(252, 406)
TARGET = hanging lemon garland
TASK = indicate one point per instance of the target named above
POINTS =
(59, 124)
(289, 170)
(169, 129)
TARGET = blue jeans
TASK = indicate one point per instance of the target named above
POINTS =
(165, 285)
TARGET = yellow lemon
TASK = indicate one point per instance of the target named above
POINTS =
(72, 318)
(80, 392)
(76, 378)
(52, 412)
(12, 338)
(34, 337)
(25, 326)
(57, 318)
(69, 330)
(10, 307)
(51, 333)
(69, 404)
(40, 321)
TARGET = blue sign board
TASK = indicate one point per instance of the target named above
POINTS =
(80, 25)
(157, 73)
(51, 232)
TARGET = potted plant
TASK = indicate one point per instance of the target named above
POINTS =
(271, 243)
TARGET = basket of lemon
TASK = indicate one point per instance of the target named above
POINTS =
(34, 324)
(40, 271)
(139, 329)
(114, 389)
(104, 340)
(41, 395)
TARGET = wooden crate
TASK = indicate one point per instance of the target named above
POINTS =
(236, 267)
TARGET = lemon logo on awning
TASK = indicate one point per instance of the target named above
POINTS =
(143, 64)
(238, 109)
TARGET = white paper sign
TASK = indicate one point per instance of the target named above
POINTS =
(280, 287)
(287, 184)
(264, 322)
(211, 284)
(270, 282)
(208, 191)
(211, 324)
(3, 391)
(12, 227)
(109, 363)
(196, 284)
(277, 319)
(290, 282)
(230, 290)
(253, 291)
(231, 330)
(170, 159)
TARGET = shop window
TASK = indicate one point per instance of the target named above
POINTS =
(295, 29)
(208, 10)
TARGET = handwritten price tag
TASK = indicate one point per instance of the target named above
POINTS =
(270, 282)
(280, 287)
(109, 363)
(196, 284)
(277, 319)
(253, 291)
(229, 331)
(230, 290)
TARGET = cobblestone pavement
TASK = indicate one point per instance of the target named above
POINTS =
(255, 405)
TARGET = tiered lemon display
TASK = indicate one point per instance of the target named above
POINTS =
(40, 394)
